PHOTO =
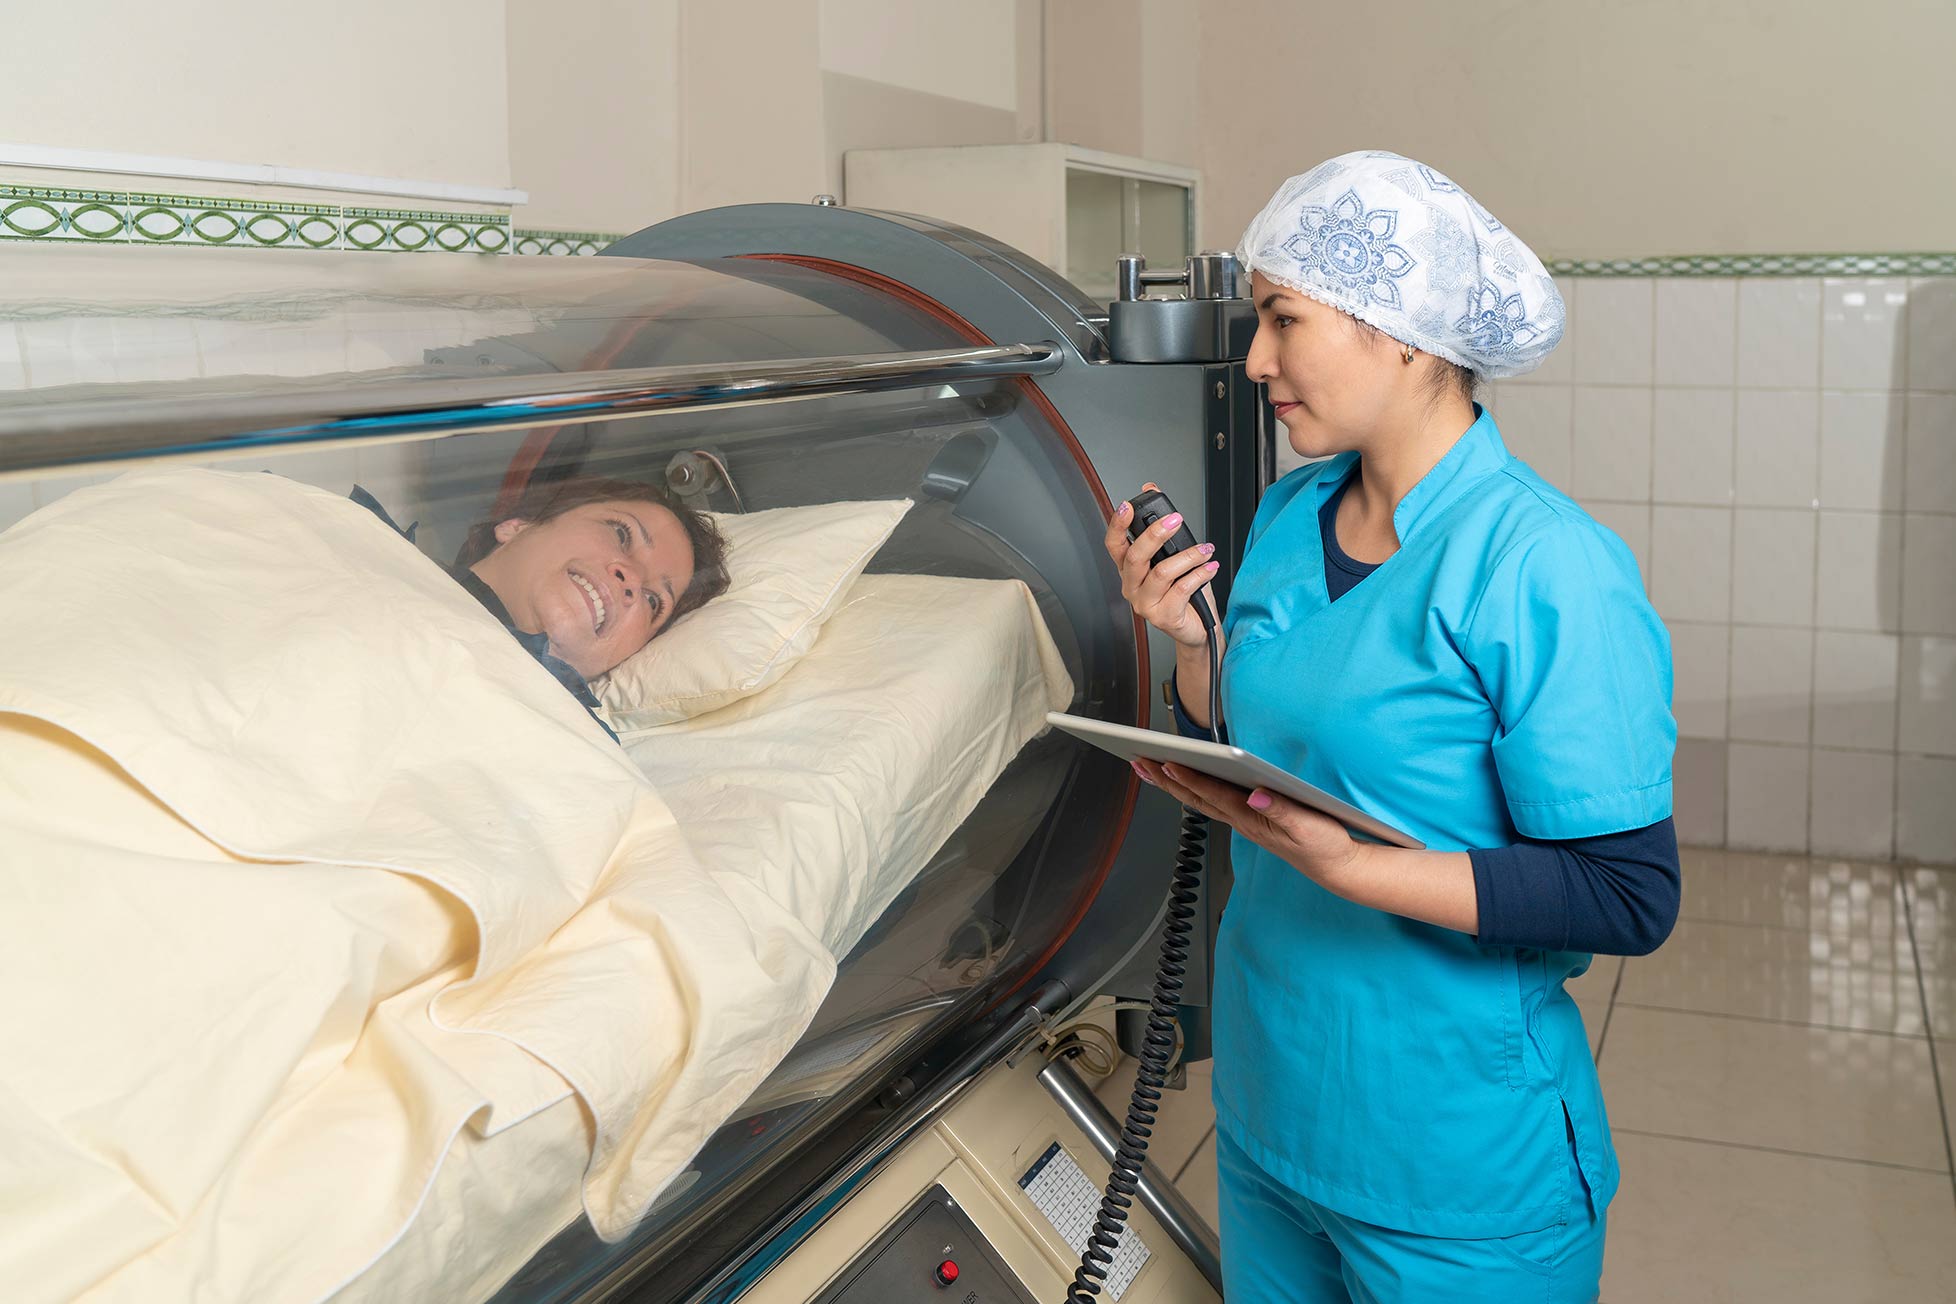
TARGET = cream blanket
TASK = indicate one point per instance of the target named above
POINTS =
(305, 866)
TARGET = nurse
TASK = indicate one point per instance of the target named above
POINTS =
(1406, 1104)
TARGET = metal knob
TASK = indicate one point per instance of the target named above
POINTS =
(1212, 275)
(823, 201)
(1132, 277)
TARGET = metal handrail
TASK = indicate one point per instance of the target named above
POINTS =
(168, 423)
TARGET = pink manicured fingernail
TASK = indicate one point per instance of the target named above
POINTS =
(1259, 800)
(1206, 549)
(1214, 565)
(1141, 774)
(1171, 520)
(1120, 513)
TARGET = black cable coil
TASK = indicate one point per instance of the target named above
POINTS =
(1157, 1046)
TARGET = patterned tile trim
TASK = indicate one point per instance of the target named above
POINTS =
(563, 242)
(46, 214)
(1762, 265)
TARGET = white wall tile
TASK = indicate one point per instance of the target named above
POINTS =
(1861, 445)
(1778, 447)
(13, 371)
(1926, 829)
(1779, 332)
(1559, 368)
(1928, 690)
(1614, 344)
(52, 489)
(1853, 804)
(1772, 566)
(1697, 328)
(1766, 797)
(1611, 444)
(155, 349)
(1860, 574)
(1861, 341)
(1691, 441)
(1690, 562)
(1854, 678)
(1931, 475)
(16, 501)
(1698, 792)
(1929, 575)
(1932, 333)
(331, 469)
(1700, 657)
(1771, 684)
(1534, 422)
(1630, 522)
(48, 356)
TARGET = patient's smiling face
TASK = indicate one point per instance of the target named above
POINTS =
(599, 580)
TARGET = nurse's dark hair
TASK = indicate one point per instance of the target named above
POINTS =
(1439, 379)
(541, 502)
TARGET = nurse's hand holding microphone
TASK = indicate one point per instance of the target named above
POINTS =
(1164, 596)
(1406, 1104)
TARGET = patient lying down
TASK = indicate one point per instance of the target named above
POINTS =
(585, 572)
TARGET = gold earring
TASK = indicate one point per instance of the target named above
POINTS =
(1409, 353)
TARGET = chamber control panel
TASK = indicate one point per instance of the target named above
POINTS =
(932, 1254)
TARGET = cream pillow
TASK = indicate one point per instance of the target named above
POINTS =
(790, 569)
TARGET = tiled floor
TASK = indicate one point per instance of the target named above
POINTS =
(1781, 1077)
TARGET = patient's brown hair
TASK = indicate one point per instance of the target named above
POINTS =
(539, 503)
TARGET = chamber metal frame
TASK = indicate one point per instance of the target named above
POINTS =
(36, 438)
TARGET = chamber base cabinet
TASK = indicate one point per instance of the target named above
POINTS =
(975, 1154)
(1075, 210)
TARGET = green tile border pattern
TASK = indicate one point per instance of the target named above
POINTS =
(1762, 265)
(51, 215)
(562, 243)
(55, 215)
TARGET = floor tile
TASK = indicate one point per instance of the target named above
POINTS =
(1847, 1095)
(1592, 992)
(1932, 899)
(1932, 902)
(1946, 1073)
(1198, 1181)
(1185, 1117)
(1785, 891)
(1939, 988)
(1863, 981)
(1697, 1223)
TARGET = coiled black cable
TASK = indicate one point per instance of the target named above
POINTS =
(1157, 1046)
(1158, 1042)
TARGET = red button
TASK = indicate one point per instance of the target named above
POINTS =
(947, 1272)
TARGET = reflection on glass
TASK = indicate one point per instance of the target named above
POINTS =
(869, 793)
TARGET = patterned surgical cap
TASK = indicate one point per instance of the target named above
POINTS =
(1395, 244)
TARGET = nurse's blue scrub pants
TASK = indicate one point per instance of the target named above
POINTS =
(1280, 1248)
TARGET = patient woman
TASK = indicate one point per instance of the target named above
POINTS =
(585, 572)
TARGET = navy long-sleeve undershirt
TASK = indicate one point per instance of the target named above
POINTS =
(1613, 894)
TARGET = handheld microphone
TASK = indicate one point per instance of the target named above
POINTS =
(1150, 506)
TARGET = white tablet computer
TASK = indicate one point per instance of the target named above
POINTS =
(1231, 765)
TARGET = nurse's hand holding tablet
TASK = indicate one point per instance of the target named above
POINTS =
(1312, 843)
(1423, 632)
(1164, 597)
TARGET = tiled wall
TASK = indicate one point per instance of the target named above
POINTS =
(1780, 453)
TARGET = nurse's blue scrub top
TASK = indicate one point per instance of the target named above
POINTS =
(1500, 677)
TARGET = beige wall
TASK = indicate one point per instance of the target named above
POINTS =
(374, 87)
(1601, 128)
(594, 111)
(1597, 128)
(750, 102)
